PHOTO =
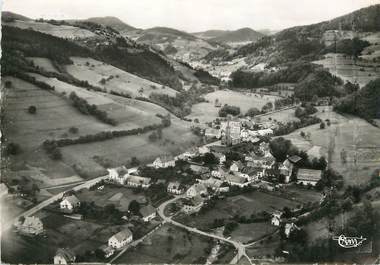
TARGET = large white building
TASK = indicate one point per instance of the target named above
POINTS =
(120, 239)
(69, 203)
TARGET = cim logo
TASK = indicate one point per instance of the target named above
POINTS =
(349, 242)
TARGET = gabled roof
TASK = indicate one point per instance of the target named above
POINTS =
(67, 254)
(199, 187)
(32, 221)
(139, 180)
(239, 164)
(235, 179)
(123, 235)
(147, 210)
(72, 199)
(199, 169)
(166, 158)
(294, 159)
(174, 185)
(309, 174)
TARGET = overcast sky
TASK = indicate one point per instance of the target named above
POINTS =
(193, 15)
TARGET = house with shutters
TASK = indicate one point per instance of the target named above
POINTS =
(118, 175)
(175, 187)
(120, 239)
(138, 182)
(69, 203)
(196, 189)
(64, 256)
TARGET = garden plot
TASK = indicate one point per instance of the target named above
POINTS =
(250, 232)
(94, 71)
(206, 111)
(169, 244)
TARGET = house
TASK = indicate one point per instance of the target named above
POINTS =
(196, 189)
(294, 159)
(286, 169)
(289, 228)
(203, 150)
(212, 133)
(164, 161)
(192, 152)
(31, 225)
(254, 173)
(276, 218)
(137, 181)
(236, 166)
(148, 213)
(69, 203)
(64, 256)
(212, 183)
(193, 205)
(236, 180)
(308, 176)
(118, 175)
(107, 250)
(3, 190)
(265, 132)
(175, 188)
(120, 239)
(219, 173)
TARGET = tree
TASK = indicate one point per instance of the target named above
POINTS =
(135, 162)
(8, 84)
(153, 137)
(252, 112)
(159, 133)
(35, 188)
(210, 159)
(134, 207)
(32, 109)
(280, 147)
(73, 130)
(12, 149)
(322, 125)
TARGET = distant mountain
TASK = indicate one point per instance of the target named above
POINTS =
(268, 31)
(112, 22)
(209, 34)
(8, 16)
(168, 33)
(238, 36)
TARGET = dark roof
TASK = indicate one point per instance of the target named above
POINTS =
(309, 174)
(67, 254)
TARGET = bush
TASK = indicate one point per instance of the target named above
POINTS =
(73, 130)
(226, 109)
(8, 84)
(322, 125)
(12, 149)
(32, 109)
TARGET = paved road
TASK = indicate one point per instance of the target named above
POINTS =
(238, 245)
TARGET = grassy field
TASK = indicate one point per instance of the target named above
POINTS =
(169, 244)
(43, 63)
(264, 249)
(119, 196)
(243, 205)
(354, 135)
(62, 31)
(206, 112)
(283, 116)
(122, 81)
(251, 232)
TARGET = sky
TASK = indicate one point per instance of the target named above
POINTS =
(193, 15)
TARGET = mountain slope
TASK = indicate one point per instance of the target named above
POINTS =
(209, 34)
(112, 22)
(10, 16)
(240, 35)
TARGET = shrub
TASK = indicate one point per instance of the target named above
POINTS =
(12, 149)
(73, 130)
(32, 109)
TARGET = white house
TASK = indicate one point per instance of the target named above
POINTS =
(196, 189)
(308, 176)
(107, 250)
(190, 153)
(69, 203)
(219, 173)
(118, 175)
(289, 228)
(32, 225)
(64, 256)
(148, 213)
(236, 166)
(236, 180)
(137, 181)
(212, 183)
(211, 133)
(164, 162)
(175, 188)
(193, 205)
(276, 218)
(120, 239)
(203, 150)
(3, 190)
(286, 169)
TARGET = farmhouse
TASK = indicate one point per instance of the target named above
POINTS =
(212, 183)
(175, 188)
(212, 133)
(286, 169)
(308, 176)
(118, 175)
(276, 218)
(219, 173)
(32, 225)
(64, 256)
(236, 166)
(192, 152)
(107, 250)
(137, 181)
(193, 205)
(236, 180)
(120, 239)
(148, 213)
(69, 203)
(164, 162)
(289, 228)
(196, 189)
(203, 150)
